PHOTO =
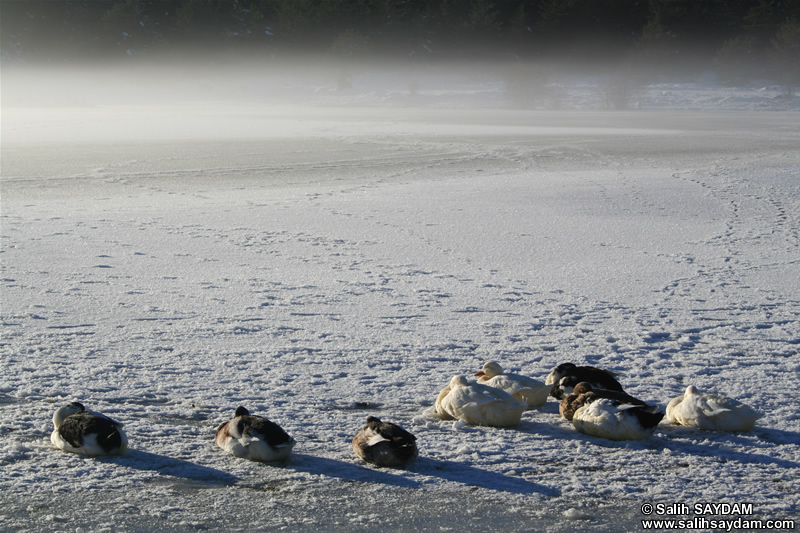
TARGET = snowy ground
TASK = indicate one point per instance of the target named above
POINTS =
(164, 265)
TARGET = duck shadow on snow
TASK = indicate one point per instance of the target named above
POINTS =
(777, 436)
(666, 440)
(447, 470)
(475, 477)
(347, 471)
(178, 468)
(771, 436)
(551, 408)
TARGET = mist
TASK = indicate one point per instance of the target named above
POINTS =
(269, 56)
(254, 96)
(520, 54)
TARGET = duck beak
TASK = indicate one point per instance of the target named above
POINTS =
(481, 373)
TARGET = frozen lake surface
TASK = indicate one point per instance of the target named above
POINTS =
(318, 265)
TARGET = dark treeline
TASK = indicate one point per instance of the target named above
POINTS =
(738, 34)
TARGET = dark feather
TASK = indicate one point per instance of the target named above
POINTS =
(597, 378)
(646, 417)
(584, 393)
(399, 448)
(258, 427)
(75, 426)
(390, 431)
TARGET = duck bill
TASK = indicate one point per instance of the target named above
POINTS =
(481, 373)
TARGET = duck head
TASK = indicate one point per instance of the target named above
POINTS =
(458, 381)
(491, 369)
(64, 412)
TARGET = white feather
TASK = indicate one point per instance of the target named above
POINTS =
(713, 412)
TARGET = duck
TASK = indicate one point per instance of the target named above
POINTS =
(565, 376)
(533, 392)
(384, 444)
(254, 437)
(613, 420)
(439, 410)
(584, 394)
(714, 412)
(570, 369)
(574, 401)
(480, 405)
(86, 433)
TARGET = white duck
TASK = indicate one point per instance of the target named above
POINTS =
(254, 437)
(711, 412)
(480, 405)
(80, 431)
(612, 420)
(438, 409)
(534, 393)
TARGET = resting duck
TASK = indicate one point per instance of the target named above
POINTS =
(612, 420)
(711, 412)
(384, 443)
(438, 409)
(80, 431)
(570, 369)
(532, 392)
(565, 376)
(480, 405)
(254, 437)
(584, 394)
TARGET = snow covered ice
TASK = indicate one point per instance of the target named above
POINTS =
(318, 264)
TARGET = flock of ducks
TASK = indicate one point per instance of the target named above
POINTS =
(591, 398)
